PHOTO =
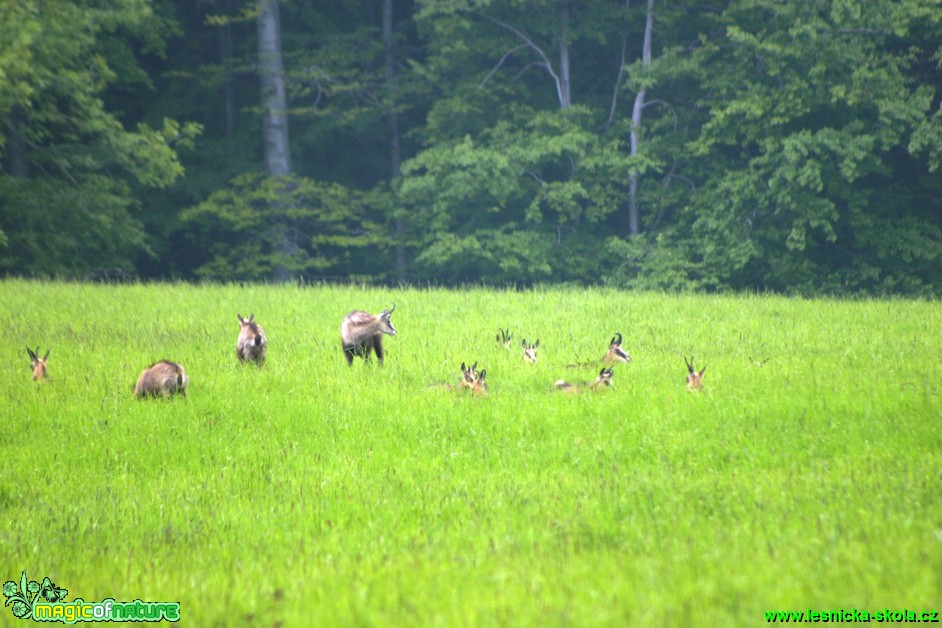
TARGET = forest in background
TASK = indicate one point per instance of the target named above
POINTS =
(777, 145)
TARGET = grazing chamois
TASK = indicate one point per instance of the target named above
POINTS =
(162, 379)
(361, 332)
(504, 336)
(252, 345)
(604, 379)
(39, 364)
(694, 377)
(615, 352)
(529, 351)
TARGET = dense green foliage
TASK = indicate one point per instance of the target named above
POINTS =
(805, 474)
(781, 146)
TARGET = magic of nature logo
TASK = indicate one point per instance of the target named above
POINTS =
(44, 601)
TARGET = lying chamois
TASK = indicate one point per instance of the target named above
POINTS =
(529, 351)
(614, 354)
(252, 345)
(361, 333)
(694, 377)
(39, 364)
(503, 337)
(604, 379)
(162, 379)
(472, 380)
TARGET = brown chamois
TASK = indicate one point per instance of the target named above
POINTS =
(604, 379)
(615, 352)
(694, 377)
(361, 332)
(529, 351)
(469, 375)
(252, 345)
(504, 336)
(39, 364)
(162, 379)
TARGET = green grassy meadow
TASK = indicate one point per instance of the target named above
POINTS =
(806, 474)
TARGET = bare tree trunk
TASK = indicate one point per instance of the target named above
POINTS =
(565, 91)
(224, 37)
(395, 144)
(621, 73)
(634, 175)
(274, 101)
(274, 104)
(17, 151)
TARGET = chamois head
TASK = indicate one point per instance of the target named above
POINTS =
(469, 375)
(252, 345)
(503, 337)
(39, 364)
(694, 377)
(615, 352)
(604, 379)
(163, 379)
(529, 351)
(479, 387)
(362, 333)
(386, 326)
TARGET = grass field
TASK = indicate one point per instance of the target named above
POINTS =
(307, 492)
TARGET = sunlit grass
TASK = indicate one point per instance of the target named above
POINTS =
(805, 474)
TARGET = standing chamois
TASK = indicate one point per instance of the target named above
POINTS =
(604, 379)
(39, 364)
(529, 351)
(361, 332)
(162, 379)
(252, 345)
(694, 377)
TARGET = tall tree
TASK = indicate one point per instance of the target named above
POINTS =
(68, 204)
(274, 100)
(636, 113)
(395, 133)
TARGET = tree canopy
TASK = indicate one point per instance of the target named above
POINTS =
(659, 144)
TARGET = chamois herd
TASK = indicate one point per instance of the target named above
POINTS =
(361, 334)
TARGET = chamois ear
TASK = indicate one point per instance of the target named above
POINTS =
(32, 356)
(252, 317)
(482, 375)
(689, 363)
(45, 357)
(702, 371)
(523, 343)
(239, 316)
(463, 367)
(602, 372)
(537, 343)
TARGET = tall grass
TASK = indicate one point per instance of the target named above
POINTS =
(807, 473)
